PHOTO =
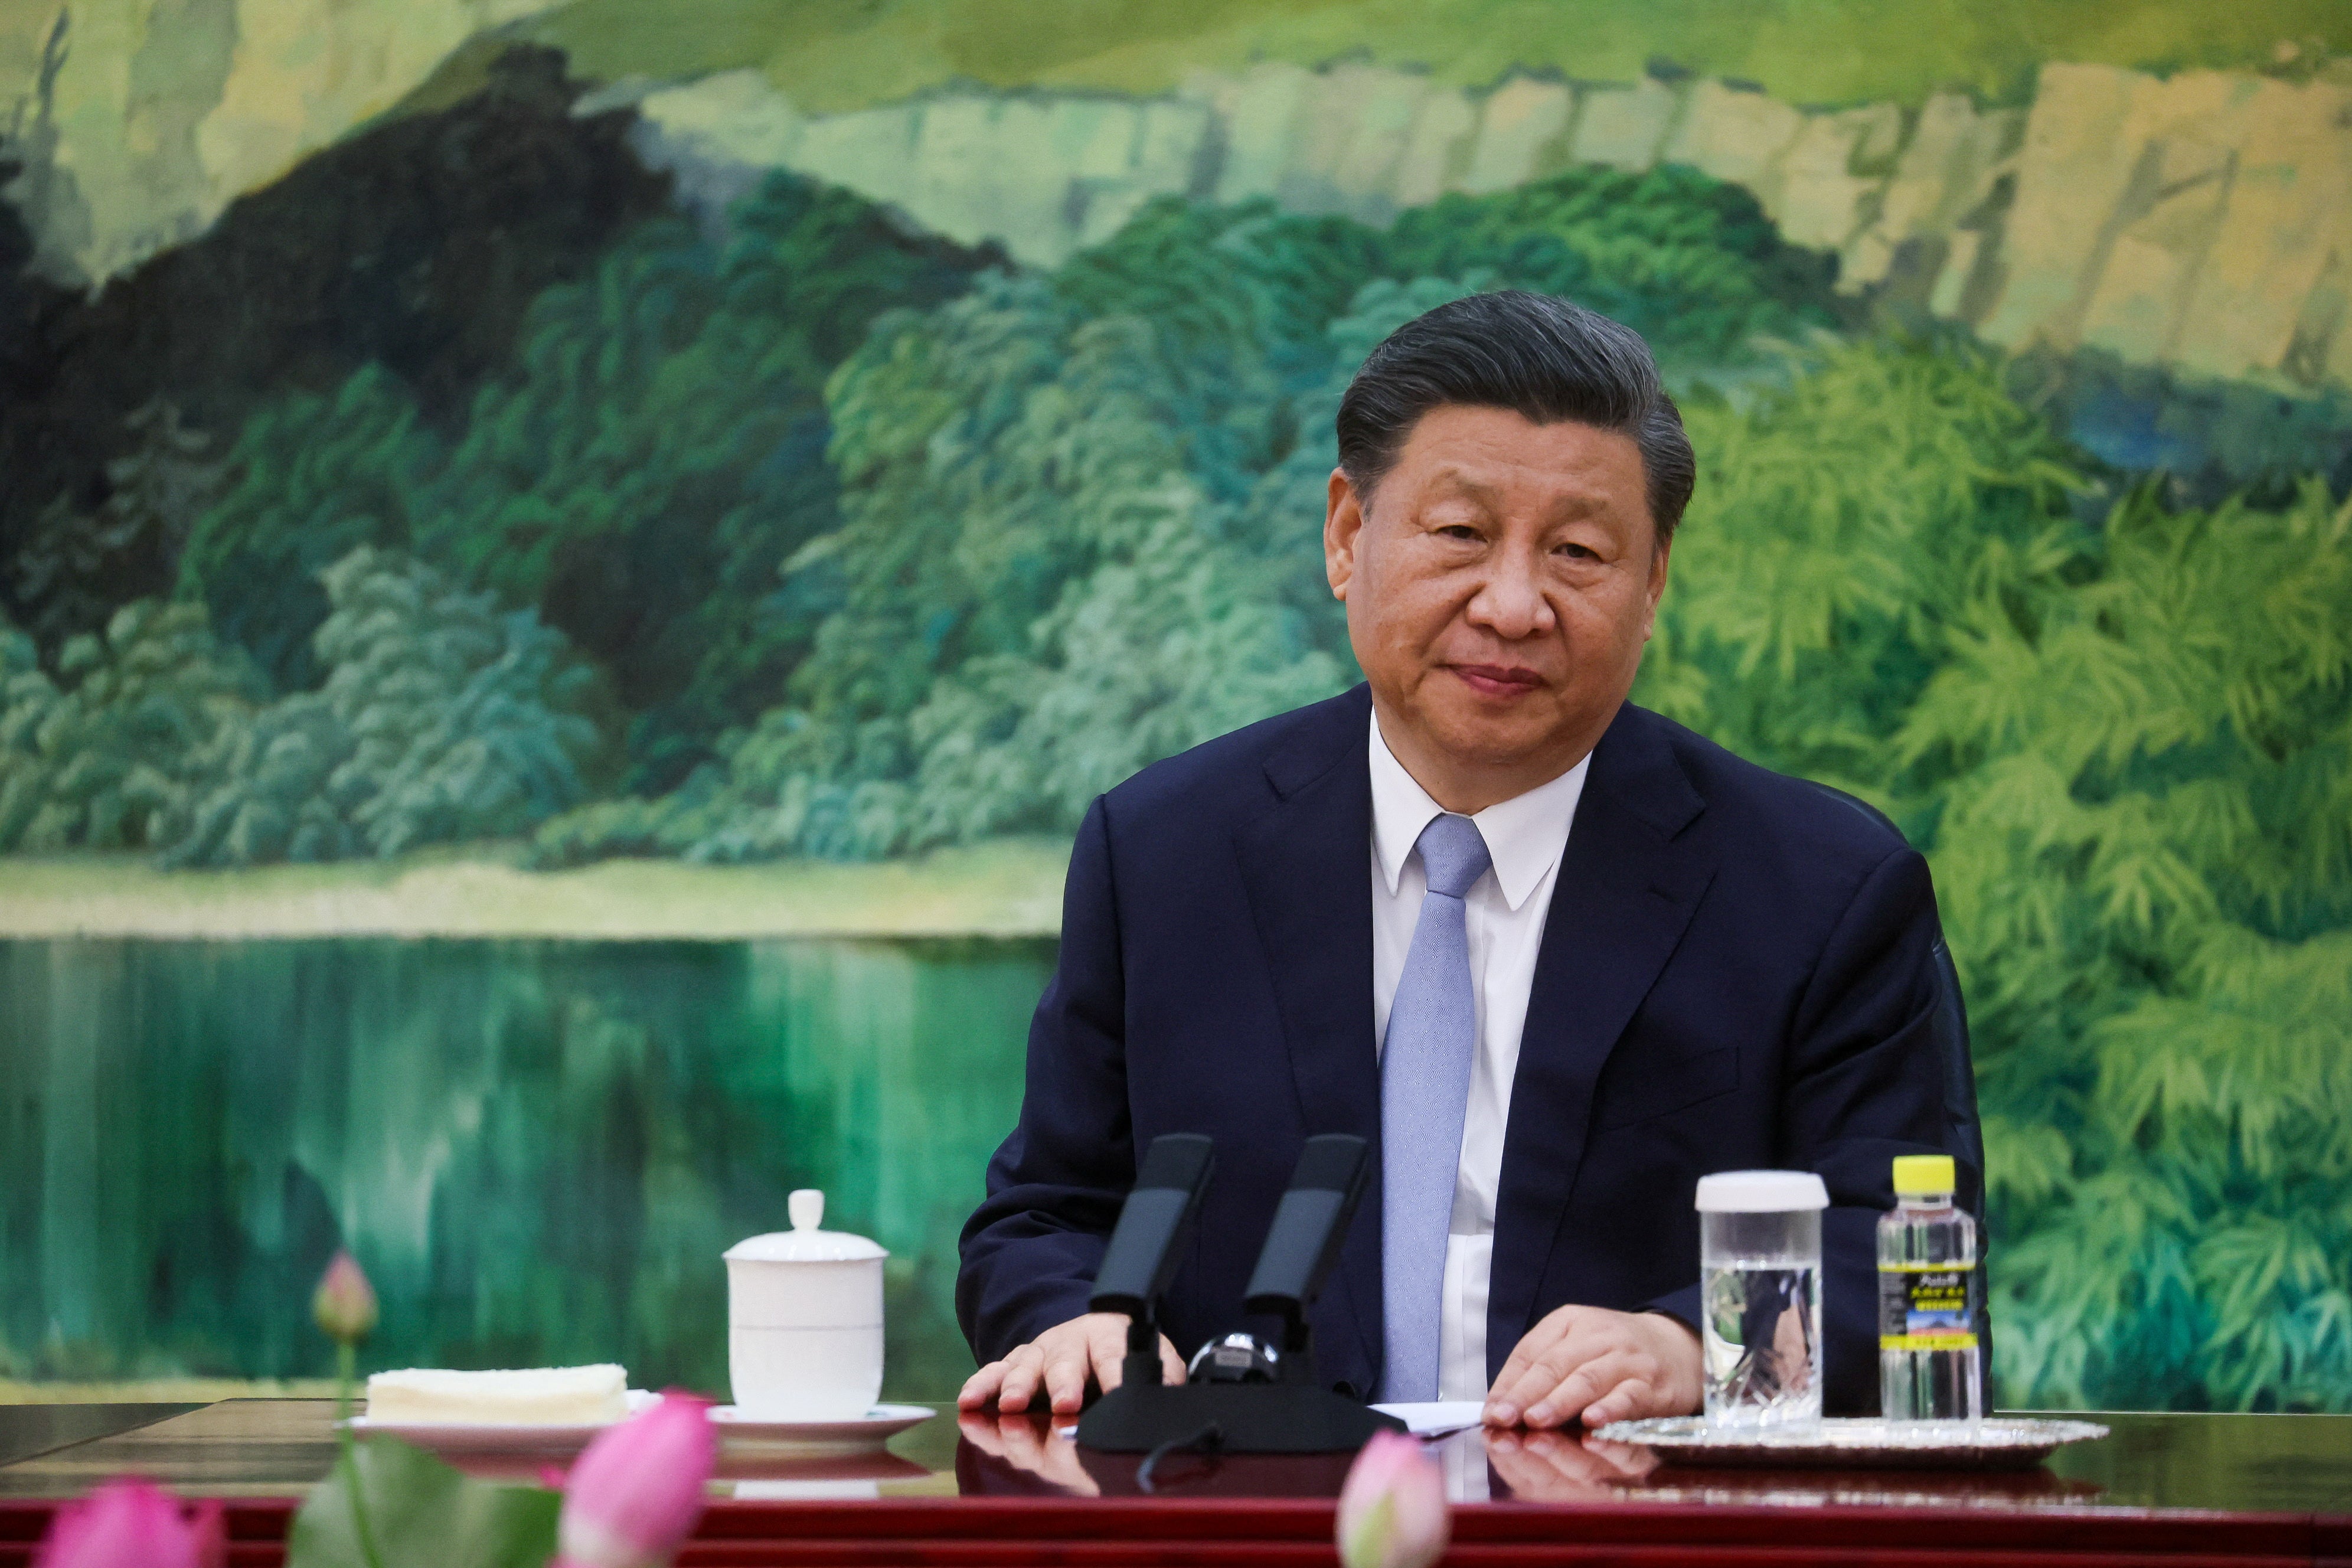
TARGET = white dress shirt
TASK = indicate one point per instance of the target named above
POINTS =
(1505, 908)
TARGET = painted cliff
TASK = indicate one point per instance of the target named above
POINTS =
(138, 120)
(2202, 223)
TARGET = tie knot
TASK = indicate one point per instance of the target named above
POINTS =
(1453, 854)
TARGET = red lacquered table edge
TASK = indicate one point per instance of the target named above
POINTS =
(1139, 1530)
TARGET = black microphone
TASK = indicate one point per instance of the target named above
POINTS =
(1309, 1227)
(1146, 1245)
(1288, 1415)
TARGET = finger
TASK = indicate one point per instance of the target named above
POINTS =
(1551, 1350)
(1588, 1382)
(1171, 1366)
(1548, 1368)
(1108, 1351)
(1560, 1383)
(1632, 1396)
(1567, 1401)
(1678, 1386)
(1022, 1369)
(981, 1386)
(1106, 1348)
(1066, 1380)
(1501, 1411)
(1513, 1387)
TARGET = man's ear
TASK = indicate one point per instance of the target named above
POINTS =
(1343, 526)
(1658, 559)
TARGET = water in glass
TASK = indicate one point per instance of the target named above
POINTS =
(1762, 1345)
(1760, 1278)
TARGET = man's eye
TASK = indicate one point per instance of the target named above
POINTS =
(1458, 531)
(1576, 552)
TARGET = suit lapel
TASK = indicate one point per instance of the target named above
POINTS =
(1629, 881)
(1307, 864)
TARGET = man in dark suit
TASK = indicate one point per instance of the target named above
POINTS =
(1555, 956)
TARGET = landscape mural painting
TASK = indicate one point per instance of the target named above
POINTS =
(569, 570)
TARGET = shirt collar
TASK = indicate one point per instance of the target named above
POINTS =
(1525, 835)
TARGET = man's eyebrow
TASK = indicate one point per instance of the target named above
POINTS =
(1454, 480)
(1461, 482)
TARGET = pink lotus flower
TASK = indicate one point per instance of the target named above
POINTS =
(637, 1490)
(132, 1524)
(1393, 1511)
(345, 1304)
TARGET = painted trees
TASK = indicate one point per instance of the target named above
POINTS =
(442, 718)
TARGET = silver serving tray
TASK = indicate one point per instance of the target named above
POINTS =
(1996, 1443)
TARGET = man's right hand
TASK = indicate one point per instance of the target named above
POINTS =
(1063, 1360)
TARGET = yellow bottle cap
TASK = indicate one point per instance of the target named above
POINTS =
(1923, 1174)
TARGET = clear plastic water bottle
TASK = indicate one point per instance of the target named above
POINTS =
(1760, 1284)
(1929, 1291)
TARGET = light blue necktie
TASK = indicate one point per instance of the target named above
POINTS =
(1424, 1086)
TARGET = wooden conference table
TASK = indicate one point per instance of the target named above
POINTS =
(2173, 1490)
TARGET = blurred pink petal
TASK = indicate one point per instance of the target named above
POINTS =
(345, 1303)
(132, 1524)
(636, 1492)
(1392, 1510)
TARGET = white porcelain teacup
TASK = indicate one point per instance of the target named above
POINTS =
(805, 1320)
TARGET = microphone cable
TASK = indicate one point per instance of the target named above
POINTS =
(1208, 1442)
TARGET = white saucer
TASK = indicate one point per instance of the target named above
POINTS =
(870, 1430)
(500, 1437)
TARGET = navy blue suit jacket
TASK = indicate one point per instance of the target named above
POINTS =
(1738, 970)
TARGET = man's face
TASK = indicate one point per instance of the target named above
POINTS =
(1499, 589)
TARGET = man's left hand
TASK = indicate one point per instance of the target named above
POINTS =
(1599, 1366)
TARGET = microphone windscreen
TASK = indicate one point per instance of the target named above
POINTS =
(1177, 1160)
(1148, 1243)
(1309, 1224)
(1333, 1162)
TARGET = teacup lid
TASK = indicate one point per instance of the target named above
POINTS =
(805, 1243)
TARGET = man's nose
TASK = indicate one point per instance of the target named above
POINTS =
(1510, 601)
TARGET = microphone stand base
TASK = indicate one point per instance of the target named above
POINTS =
(1250, 1418)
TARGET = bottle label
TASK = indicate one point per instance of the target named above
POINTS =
(1925, 1307)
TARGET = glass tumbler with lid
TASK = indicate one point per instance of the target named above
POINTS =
(1760, 1285)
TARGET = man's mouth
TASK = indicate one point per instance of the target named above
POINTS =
(1497, 680)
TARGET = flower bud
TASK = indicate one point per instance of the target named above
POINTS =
(345, 1304)
(636, 1492)
(1392, 1510)
(132, 1524)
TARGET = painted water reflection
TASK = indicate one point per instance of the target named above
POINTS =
(536, 1149)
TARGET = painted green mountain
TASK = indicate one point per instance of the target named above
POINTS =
(832, 55)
